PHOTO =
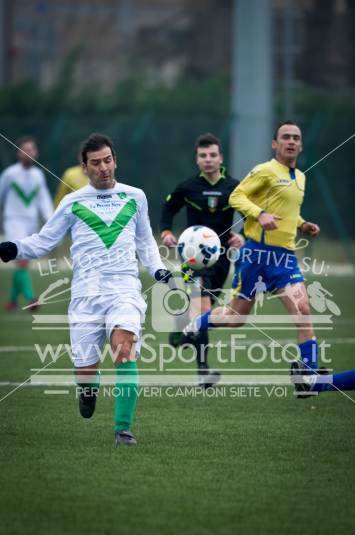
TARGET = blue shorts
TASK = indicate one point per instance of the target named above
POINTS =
(264, 268)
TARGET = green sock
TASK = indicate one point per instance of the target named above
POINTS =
(126, 400)
(25, 284)
(15, 287)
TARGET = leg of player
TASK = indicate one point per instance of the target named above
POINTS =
(88, 380)
(232, 315)
(310, 385)
(180, 322)
(295, 299)
(25, 280)
(123, 346)
(200, 342)
(21, 284)
(11, 305)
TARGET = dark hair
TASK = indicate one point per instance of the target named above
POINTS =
(93, 143)
(282, 124)
(25, 139)
(205, 140)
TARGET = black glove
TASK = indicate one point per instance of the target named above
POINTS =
(8, 251)
(163, 275)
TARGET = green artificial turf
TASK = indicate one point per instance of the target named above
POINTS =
(235, 461)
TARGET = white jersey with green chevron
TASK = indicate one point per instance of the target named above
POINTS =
(25, 200)
(108, 228)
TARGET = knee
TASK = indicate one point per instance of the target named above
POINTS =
(124, 353)
(124, 350)
(304, 309)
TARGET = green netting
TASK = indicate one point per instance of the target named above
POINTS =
(155, 152)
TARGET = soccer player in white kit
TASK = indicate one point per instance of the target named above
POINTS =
(109, 224)
(26, 204)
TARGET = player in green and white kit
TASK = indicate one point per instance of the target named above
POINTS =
(25, 201)
(109, 224)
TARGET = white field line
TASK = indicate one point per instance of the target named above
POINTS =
(168, 380)
(186, 379)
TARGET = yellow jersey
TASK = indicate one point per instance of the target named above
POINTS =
(74, 178)
(270, 187)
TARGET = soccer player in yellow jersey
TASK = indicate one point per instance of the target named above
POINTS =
(73, 178)
(270, 198)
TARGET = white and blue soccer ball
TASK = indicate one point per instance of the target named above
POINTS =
(199, 247)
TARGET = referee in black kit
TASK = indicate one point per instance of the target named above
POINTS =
(205, 196)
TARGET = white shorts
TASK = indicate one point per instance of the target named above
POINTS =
(92, 320)
(19, 229)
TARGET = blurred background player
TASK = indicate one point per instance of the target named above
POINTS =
(205, 196)
(25, 203)
(270, 197)
(73, 178)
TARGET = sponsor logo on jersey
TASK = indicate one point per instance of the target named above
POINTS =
(107, 196)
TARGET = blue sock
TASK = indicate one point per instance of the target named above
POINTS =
(202, 321)
(341, 381)
(344, 380)
(309, 354)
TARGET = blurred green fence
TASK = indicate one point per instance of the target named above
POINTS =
(155, 152)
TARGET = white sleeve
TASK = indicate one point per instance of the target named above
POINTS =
(4, 187)
(45, 200)
(147, 248)
(49, 236)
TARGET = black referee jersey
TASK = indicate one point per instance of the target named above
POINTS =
(206, 204)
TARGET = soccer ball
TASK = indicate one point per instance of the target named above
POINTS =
(199, 247)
